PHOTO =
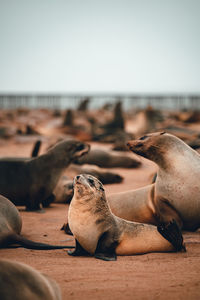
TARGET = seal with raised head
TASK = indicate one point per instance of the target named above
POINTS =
(10, 228)
(99, 232)
(175, 193)
(30, 182)
(22, 282)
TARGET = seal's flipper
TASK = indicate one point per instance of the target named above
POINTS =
(106, 245)
(172, 233)
(166, 213)
(66, 228)
(106, 256)
(15, 240)
(79, 250)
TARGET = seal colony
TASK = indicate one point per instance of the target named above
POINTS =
(10, 228)
(99, 232)
(19, 281)
(30, 182)
(175, 193)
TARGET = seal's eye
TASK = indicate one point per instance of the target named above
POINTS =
(101, 188)
(144, 137)
(91, 181)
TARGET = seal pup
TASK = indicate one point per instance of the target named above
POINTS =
(22, 282)
(30, 182)
(10, 228)
(175, 193)
(99, 232)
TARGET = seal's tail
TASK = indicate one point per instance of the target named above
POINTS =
(22, 241)
(172, 233)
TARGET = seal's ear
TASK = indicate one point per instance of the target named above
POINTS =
(163, 132)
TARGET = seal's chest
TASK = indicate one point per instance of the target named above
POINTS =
(84, 228)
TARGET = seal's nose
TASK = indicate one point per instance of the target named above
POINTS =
(78, 176)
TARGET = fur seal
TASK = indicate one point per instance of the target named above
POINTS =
(100, 233)
(108, 159)
(22, 282)
(30, 182)
(10, 228)
(175, 193)
(105, 176)
(64, 189)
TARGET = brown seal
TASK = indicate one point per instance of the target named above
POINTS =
(100, 233)
(64, 189)
(10, 228)
(22, 282)
(30, 182)
(108, 159)
(175, 193)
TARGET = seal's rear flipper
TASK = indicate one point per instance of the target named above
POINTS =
(16, 239)
(106, 256)
(79, 250)
(66, 228)
(172, 233)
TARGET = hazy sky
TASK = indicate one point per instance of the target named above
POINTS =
(100, 45)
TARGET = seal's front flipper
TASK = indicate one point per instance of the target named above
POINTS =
(172, 233)
(106, 256)
(106, 245)
(79, 251)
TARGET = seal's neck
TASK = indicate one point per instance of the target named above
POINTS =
(176, 155)
(51, 160)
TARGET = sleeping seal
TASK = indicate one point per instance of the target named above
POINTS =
(108, 159)
(100, 233)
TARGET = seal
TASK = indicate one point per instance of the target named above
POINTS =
(175, 193)
(19, 281)
(105, 176)
(99, 232)
(30, 182)
(10, 228)
(64, 189)
(108, 159)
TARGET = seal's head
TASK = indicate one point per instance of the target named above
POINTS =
(69, 150)
(148, 145)
(163, 148)
(88, 186)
